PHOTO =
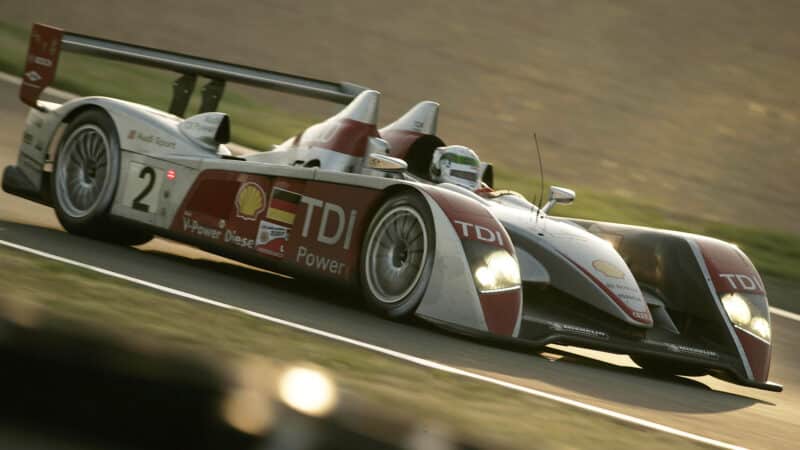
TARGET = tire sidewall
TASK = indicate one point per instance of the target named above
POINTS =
(408, 304)
(98, 214)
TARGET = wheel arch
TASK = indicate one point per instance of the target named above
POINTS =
(67, 118)
(128, 118)
(386, 193)
(93, 219)
(394, 196)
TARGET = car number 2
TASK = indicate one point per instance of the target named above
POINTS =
(144, 186)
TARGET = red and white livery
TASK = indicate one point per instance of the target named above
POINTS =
(352, 204)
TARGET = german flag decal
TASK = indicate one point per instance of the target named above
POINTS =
(273, 233)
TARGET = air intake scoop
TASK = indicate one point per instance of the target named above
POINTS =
(207, 130)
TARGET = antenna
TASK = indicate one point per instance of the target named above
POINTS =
(541, 177)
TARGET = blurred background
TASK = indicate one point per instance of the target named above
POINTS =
(691, 106)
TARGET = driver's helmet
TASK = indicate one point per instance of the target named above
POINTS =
(456, 164)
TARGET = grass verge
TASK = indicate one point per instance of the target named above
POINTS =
(45, 289)
(776, 254)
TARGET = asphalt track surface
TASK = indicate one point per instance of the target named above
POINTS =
(704, 406)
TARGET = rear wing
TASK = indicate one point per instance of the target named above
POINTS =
(46, 43)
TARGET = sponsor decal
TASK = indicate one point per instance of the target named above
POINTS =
(334, 217)
(233, 237)
(194, 125)
(227, 235)
(739, 282)
(478, 233)
(630, 302)
(33, 76)
(318, 262)
(273, 233)
(575, 329)
(272, 239)
(608, 269)
(44, 43)
(191, 225)
(40, 63)
(45, 62)
(250, 201)
(685, 349)
(729, 268)
(151, 139)
(631, 295)
(27, 138)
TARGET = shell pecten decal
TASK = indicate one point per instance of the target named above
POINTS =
(250, 201)
(608, 269)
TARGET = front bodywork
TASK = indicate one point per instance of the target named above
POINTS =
(576, 273)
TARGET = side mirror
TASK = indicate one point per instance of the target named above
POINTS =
(386, 163)
(558, 195)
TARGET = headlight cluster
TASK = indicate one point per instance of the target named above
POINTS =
(493, 269)
(745, 313)
(499, 271)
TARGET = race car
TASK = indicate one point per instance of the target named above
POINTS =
(411, 222)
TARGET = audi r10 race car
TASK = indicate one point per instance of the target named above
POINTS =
(351, 204)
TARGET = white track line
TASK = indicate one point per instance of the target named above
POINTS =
(8, 78)
(385, 351)
(785, 314)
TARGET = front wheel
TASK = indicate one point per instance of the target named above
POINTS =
(397, 256)
(85, 177)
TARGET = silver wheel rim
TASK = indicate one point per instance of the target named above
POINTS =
(82, 172)
(396, 254)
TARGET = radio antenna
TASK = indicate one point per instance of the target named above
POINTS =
(541, 177)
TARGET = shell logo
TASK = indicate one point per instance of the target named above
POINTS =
(250, 201)
(608, 269)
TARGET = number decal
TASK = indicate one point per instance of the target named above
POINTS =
(143, 188)
(146, 171)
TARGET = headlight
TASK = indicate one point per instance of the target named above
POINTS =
(493, 269)
(745, 313)
(737, 309)
(761, 327)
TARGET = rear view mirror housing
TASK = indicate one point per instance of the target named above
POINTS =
(558, 195)
(386, 163)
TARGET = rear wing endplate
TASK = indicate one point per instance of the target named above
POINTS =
(47, 42)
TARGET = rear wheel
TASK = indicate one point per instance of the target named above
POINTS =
(397, 256)
(85, 178)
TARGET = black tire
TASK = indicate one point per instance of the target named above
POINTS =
(399, 244)
(85, 177)
(661, 367)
